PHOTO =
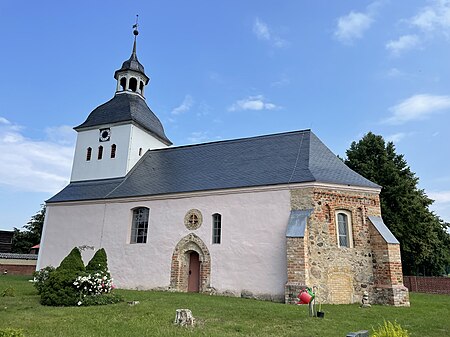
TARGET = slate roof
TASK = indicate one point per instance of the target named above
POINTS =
(125, 107)
(384, 231)
(132, 64)
(293, 157)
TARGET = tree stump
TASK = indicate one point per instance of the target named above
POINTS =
(183, 317)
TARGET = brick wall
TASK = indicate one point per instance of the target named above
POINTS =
(26, 268)
(430, 285)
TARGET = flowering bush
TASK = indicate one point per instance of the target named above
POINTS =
(72, 284)
(94, 284)
(92, 289)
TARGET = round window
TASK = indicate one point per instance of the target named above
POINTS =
(193, 219)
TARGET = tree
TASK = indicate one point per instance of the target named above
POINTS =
(423, 236)
(23, 240)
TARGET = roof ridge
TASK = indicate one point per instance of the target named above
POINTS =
(237, 140)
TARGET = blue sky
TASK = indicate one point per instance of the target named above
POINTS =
(223, 70)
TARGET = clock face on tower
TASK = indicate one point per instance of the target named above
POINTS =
(105, 135)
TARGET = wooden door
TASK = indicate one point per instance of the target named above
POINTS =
(194, 273)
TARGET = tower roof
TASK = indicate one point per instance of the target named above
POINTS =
(126, 107)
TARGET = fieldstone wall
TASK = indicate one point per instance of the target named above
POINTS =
(341, 274)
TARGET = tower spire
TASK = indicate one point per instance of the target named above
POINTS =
(131, 77)
(136, 33)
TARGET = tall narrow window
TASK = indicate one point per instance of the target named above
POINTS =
(88, 153)
(113, 151)
(140, 151)
(217, 228)
(344, 229)
(139, 227)
(100, 152)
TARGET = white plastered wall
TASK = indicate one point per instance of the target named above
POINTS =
(251, 256)
(128, 139)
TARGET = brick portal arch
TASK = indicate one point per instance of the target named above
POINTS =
(179, 270)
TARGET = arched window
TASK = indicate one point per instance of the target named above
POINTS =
(141, 86)
(100, 152)
(139, 226)
(344, 229)
(217, 228)
(123, 83)
(133, 84)
(113, 151)
(88, 153)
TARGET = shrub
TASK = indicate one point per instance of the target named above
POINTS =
(98, 263)
(58, 289)
(72, 284)
(101, 299)
(41, 276)
(72, 262)
(389, 329)
(8, 332)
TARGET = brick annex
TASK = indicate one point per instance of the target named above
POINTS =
(259, 217)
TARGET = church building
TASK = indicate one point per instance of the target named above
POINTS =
(259, 217)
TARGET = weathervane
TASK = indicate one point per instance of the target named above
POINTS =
(135, 26)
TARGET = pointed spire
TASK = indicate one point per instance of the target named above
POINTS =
(136, 33)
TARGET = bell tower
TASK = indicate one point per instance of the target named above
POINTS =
(131, 78)
(117, 133)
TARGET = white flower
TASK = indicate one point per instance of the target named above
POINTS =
(79, 303)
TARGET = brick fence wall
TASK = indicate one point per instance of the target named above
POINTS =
(430, 285)
(17, 264)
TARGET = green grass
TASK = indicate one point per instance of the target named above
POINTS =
(428, 316)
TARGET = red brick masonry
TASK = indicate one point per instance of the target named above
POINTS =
(430, 285)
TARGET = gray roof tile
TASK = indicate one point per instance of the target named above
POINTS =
(126, 107)
(292, 157)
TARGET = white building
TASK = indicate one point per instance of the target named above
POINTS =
(261, 216)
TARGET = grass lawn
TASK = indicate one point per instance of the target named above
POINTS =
(428, 316)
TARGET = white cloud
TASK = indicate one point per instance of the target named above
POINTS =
(403, 43)
(4, 121)
(252, 103)
(201, 137)
(442, 197)
(263, 32)
(352, 26)
(184, 106)
(396, 137)
(433, 17)
(418, 107)
(441, 204)
(282, 82)
(35, 165)
(394, 73)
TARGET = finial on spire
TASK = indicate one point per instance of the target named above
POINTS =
(135, 26)
(136, 33)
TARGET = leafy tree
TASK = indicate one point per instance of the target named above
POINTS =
(423, 236)
(23, 240)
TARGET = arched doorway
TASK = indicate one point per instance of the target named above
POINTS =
(191, 265)
(194, 272)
